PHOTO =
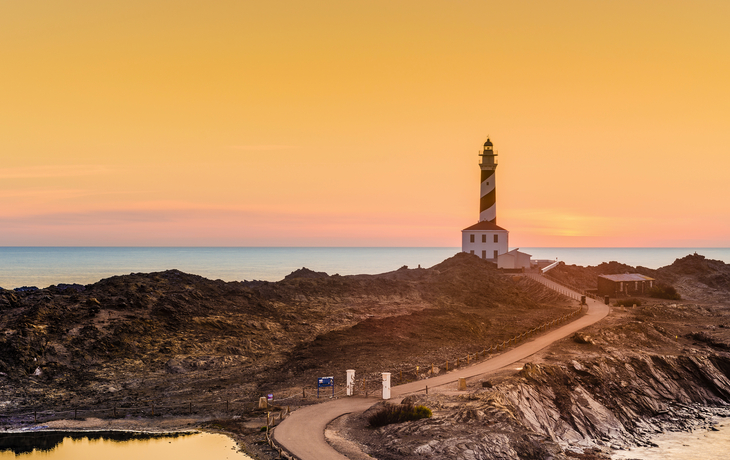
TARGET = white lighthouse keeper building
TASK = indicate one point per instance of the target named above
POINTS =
(485, 239)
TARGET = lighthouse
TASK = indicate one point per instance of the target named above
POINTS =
(488, 189)
(485, 238)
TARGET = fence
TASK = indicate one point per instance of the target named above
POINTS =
(372, 384)
(150, 408)
(569, 290)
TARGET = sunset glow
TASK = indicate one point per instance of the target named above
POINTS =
(326, 123)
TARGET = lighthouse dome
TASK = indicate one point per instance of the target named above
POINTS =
(488, 143)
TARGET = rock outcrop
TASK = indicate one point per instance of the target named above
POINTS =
(581, 408)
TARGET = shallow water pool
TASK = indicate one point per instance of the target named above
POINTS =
(117, 446)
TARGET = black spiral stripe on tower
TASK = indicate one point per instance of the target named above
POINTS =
(488, 200)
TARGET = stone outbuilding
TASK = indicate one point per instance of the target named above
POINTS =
(624, 285)
(514, 260)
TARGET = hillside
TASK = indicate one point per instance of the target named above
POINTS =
(694, 276)
(173, 337)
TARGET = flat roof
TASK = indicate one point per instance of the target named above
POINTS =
(517, 251)
(627, 277)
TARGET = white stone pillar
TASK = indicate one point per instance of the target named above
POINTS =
(350, 382)
(386, 385)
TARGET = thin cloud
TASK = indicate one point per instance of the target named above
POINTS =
(35, 172)
(258, 148)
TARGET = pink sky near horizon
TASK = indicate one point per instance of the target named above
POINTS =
(245, 124)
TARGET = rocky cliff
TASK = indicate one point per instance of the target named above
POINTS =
(643, 371)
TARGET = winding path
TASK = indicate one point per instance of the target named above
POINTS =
(302, 433)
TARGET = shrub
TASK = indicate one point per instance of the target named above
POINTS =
(663, 291)
(629, 302)
(398, 414)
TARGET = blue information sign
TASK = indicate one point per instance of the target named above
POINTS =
(324, 382)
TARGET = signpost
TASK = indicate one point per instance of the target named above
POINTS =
(324, 382)
(350, 382)
(386, 385)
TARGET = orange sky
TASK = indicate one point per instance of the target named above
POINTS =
(330, 123)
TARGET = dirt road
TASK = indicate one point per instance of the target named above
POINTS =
(302, 433)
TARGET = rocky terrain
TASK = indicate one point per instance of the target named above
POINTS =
(663, 366)
(694, 276)
(186, 343)
(206, 350)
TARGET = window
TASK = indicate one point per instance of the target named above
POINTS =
(484, 238)
(471, 238)
(471, 252)
(495, 255)
(496, 238)
(484, 254)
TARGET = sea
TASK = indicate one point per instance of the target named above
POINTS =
(45, 266)
(687, 445)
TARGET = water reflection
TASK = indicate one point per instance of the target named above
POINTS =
(117, 445)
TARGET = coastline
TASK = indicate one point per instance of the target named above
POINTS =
(643, 370)
(42, 267)
(697, 444)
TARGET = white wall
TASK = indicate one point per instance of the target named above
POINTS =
(501, 246)
(514, 259)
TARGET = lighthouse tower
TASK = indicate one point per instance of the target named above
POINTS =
(485, 239)
(488, 190)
